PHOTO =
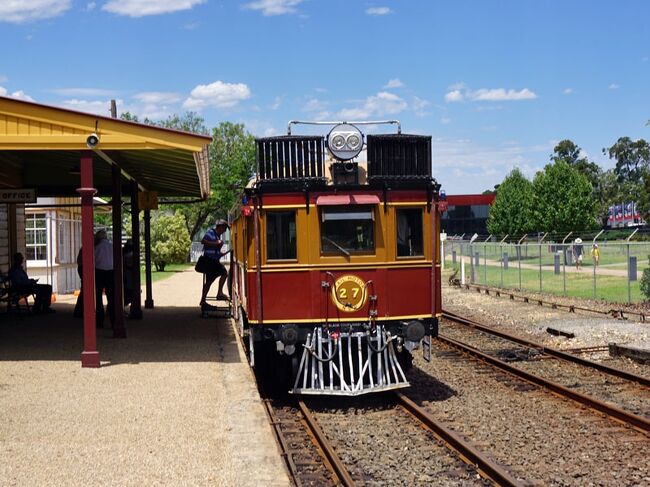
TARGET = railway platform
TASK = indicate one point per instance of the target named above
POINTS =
(174, 403)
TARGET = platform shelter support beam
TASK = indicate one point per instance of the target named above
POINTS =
(90, 355)
(148, 300)
(136, 305)
(119, 331)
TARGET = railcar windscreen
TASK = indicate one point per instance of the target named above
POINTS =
(347, 230)
(409, 233)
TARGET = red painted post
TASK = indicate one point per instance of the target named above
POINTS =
(119, 331)
(136, 305)
(90, 355)
(148, 300)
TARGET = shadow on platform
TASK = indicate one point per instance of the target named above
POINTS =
(165, 334)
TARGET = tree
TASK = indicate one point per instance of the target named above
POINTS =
(170, 241)
(512, 211)
(569, 152)
(632, 158)
(564, 199)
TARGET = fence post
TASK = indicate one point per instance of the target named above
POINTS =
(629, 275)
(540, 260)
(564, 263)
(519, 256)
(485, 259)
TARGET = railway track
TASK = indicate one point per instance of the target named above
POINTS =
(638, 383)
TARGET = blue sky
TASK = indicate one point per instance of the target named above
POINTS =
(496, 83)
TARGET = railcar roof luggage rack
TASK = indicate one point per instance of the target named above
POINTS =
(288, 158)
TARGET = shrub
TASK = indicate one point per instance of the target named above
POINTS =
(170, 240)
(645, 284)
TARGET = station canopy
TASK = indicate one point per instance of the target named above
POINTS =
(40, 148)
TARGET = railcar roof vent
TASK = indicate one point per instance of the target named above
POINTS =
(399, 158)
(291, 159)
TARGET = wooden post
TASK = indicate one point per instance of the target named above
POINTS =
(119, 331)
(90, 355)
(136, 306)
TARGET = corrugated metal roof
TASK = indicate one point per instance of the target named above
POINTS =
(40, 145)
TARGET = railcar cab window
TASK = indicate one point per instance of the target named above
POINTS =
(347, 230)
(280, 235)
(409, 233)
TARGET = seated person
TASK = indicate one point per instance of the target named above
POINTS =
(22, 284)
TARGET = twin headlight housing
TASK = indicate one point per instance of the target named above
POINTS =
(345, 141)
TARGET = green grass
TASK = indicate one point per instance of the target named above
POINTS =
(608, 288)
(170, 270)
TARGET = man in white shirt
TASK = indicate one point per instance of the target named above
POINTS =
(104, 277)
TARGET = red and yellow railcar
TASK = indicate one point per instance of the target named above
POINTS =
(336, 266)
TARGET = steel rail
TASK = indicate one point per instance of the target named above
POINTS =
(337, 465)
(467, 453)
(620, 415)
(623, 374)
(279, 437)
(571, 308)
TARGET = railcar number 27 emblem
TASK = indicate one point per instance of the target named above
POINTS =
(349, 293)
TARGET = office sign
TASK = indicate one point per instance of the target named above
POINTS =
(22, 195)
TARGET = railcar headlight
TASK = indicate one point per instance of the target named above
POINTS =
(345, 141)
(353, 141)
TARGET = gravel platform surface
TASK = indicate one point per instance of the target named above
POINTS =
(529, 320)
(173, 404)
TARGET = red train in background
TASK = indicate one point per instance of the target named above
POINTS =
(336, 266)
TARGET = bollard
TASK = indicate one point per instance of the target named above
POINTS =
(477, 256)
(556, 263)
(453, 256)
(505, 261)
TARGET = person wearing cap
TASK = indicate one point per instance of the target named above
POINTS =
(595, 254)
(104, 277)
(212, 243)
(578, 251)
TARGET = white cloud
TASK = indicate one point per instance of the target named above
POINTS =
(381, 104)
(393, 83)
(83, 92)
(20, 11)
(158, 97)
(454, 95)
(277, 103)
(489, 94)
(314, 105)
(614, 86)
(20, 94)
(90, 6)
(274, 7)
(567, 91)
(217, 94)
(379, 11)
(142, 8)
(3, 78)
(445, 120)
(420, 106)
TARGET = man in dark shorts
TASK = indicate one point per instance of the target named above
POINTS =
(212, 244)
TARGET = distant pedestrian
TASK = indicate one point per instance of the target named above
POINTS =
(104, 277)
(79, 306)
(595, 254)
(578, 251)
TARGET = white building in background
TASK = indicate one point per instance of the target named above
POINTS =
(52, 242)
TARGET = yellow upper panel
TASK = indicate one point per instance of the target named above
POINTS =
(32, 126)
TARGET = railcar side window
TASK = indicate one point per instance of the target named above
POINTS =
(409, 233)
(280, 235)
(347, 230)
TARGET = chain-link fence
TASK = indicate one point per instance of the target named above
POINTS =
(606, 270)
